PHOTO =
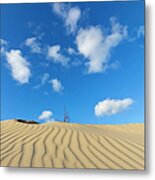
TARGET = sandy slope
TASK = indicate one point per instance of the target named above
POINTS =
(66, 145)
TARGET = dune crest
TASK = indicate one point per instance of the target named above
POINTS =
(67, 145)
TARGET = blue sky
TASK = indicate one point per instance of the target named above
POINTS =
(88, 57)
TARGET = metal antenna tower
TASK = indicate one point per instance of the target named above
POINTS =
(66, 116)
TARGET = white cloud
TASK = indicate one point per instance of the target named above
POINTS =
(72, 19)
(56, 85)
(33, 44)
(44, 79)
(112, 106)
(46, 115)
(71, 51)
(96, 47)
(60, 9)
(70, 15)
(140, 31)
(76, 62)
(3, 45)
(55, 55)
(19, 66)
(3, 42)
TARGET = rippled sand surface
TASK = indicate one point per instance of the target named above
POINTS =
(67, 145)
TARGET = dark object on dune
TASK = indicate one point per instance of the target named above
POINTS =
(27, 122)
(66, 116)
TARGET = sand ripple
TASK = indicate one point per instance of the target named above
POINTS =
(62, 145)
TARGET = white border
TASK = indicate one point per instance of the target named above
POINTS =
(75, 174)
(35, 1)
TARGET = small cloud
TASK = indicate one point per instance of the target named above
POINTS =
(72, 19)
(112, 106)
(3, 45)
(60, 9)
(71, 51)
(70, 15)
(56, 56)
(96, 47)
(36, 29)
(56, 85)
(46, 115)
(33, 44)
(19, 66)
(138, 33)
(43, 79)
(115, 65)
(76, 62)
(3, 42)
(30, 24)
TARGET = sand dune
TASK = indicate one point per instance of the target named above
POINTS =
(67, 145)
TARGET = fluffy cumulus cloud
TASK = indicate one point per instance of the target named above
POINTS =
(46, 115)
(112, 106)
(96, 47)
(70, 15)
(19, 66)
(56, 85)
(56, 56)
(33, 44)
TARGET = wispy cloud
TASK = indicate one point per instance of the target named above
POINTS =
(44, 78)
(71, 51)
(96, 47)
(34, 44)
(3, 44)
(56, 56)
(56, 85)
(47, 116)
(138, 33)
(112, 106)
(19, 66)
(70, 15)
(37, 30)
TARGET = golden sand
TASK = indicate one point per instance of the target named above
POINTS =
(68, 145)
